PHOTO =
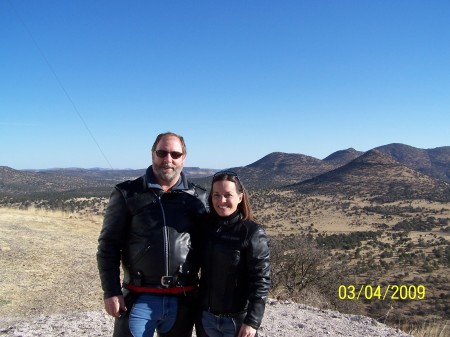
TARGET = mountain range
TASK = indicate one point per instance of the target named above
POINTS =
(397, 170)
(376, 174)
(279, 169)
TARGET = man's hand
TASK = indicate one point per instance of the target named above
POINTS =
(115, 305)
(246, 331)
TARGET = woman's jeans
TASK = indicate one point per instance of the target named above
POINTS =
(219, 326)
(153, 312)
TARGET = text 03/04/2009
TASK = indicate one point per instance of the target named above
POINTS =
(390, 292)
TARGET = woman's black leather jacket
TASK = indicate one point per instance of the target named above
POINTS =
(235, 269)
(151, 232)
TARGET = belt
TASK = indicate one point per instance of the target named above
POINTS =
(154, 290)
(166, 281)
(169, 281)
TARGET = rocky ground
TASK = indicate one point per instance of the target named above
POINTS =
(281, 320)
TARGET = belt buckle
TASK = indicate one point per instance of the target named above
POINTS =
(167, 281)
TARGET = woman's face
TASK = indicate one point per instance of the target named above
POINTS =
(225, 198)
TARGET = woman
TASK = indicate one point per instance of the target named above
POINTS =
(235, 270)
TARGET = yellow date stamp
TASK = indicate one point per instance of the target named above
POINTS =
(390, 292)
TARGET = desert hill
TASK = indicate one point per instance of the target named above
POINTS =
(71, 181)
(119, 174)
(278, 169)
(376, 174)
(14, 182)
(433, 162)
(342, 157)
(392, 171)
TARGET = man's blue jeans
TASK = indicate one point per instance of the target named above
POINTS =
(216, 326)
(153, 312)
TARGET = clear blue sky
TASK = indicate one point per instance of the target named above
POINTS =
(91, 83)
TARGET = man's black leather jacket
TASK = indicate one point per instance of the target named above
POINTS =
(151, 232)
(235, 270)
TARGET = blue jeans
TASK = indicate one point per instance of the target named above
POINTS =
(216, 326)
(153, 312)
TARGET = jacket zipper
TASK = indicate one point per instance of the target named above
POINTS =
(209, 278)
(211, 271)
(166, 237)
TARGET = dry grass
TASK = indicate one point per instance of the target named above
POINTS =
(289, 214)
(432, 329)
(47, 263)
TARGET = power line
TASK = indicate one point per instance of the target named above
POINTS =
(61, 85)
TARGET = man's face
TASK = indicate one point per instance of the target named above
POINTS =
(166, 168)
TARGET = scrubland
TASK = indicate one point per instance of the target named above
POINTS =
(319, 244)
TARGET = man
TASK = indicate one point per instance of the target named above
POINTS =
(149, 226)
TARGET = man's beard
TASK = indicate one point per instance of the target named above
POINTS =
(167, 176)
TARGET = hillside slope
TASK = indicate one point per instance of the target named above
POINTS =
(376, 174)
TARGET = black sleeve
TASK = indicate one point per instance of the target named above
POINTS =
(259, 277)
(110, 244)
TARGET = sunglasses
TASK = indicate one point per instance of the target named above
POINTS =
(228, 173)
(164, 153)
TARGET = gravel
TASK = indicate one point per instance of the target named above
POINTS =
(282, 319)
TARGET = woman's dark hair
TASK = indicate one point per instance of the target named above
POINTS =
(244, 206)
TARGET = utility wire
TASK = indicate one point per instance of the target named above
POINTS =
(61, 85)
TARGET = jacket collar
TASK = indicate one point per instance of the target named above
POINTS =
(229, 220)
(181, 184)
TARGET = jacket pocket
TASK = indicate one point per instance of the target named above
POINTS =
(139, 255)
